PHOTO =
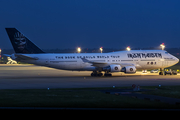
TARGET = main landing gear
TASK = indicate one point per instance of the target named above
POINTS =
(95, 73)
(99, 74)
(107, 74)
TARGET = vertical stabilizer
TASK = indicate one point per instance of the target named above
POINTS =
(20, 43)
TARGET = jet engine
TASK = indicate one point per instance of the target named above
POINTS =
(113, 68)
(129, 69)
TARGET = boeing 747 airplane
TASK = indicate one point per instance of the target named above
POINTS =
(121, 61)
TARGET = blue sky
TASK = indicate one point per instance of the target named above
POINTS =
(92, 23)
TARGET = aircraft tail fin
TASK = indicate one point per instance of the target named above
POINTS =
(20, 43)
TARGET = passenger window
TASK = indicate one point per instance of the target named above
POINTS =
(151, 63)
(147, 63)
(155, 63)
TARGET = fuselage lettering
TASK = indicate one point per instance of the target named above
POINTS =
(144, 55)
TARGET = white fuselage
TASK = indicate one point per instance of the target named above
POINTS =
(141, 59)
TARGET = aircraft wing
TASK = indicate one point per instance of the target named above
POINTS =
(94, 63)
(20, 57)
(104, 64)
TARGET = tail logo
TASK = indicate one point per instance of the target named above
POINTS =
(20, 41)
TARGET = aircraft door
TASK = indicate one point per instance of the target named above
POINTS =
(108, 59)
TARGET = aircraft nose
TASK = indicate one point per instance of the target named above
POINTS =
(176, 59)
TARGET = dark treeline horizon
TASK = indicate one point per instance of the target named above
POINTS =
(174, 51)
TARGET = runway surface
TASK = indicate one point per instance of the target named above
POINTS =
(37, 77)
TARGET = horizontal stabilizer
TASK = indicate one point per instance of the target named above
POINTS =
(6, 55)
(24, 57)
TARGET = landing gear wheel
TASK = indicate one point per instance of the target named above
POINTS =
(96, 74)
(160, 73)
(107, 75)
(100, 74)
(92, 74)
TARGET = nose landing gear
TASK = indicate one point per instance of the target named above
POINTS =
(161, 71)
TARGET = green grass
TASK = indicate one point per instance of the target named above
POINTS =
(81, 98)
(166, 91)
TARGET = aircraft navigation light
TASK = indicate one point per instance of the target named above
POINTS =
(78, 49)
(0, 52)
(162, 46)
(101, 49)
(128, 48)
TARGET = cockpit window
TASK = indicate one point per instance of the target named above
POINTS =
(166, 52)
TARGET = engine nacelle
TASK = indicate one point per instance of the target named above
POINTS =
(115, 68)
(129, 69)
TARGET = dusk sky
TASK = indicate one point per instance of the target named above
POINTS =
(92, 23)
